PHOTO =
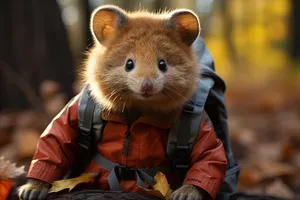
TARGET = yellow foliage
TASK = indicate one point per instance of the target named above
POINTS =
(161, 189)
(73, 182)
(279, 7)
(257, 34)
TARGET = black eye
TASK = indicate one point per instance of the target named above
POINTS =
(129, 65)
(162, 66)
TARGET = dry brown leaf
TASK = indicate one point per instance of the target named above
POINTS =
(161, 189)
(291, 149)
(263, 170)
(275, 169)
(279, 189)
(9, 170)
(249, 176)
(72, 182)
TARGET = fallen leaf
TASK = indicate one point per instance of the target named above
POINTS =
(72, 182)
(9, 170)
(262, 170)
(161, 189)
(290, 149)
(275, 169)
(265, 150)
(279, 189)
(162, 185)
(249, 176)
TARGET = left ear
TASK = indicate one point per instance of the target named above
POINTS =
(186, 23)
(106, 21)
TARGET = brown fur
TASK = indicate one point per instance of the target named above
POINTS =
(33, 189)
(190, 192)
(145, 39)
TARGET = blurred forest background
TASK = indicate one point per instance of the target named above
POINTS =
(256, 47)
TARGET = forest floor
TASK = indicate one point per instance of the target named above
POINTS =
(264, 128)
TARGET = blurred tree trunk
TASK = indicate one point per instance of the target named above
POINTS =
(295, 29)
(228, 26)
(34, 48)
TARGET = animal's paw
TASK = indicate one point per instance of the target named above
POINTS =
(188, 192)
(34, 190)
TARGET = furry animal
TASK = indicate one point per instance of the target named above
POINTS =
(140, 60)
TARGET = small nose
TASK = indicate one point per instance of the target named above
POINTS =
(147, 85)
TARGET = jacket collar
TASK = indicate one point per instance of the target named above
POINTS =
(159, 119)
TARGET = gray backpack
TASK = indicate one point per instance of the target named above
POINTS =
(209, 96)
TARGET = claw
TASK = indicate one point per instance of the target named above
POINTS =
(26, 194)
(34, 190)
(43, 194)
(33, 195)
(187, 192)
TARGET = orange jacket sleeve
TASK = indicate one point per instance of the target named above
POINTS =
(208, 160)
(57, 146)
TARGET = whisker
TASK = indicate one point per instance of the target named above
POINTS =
(174, 91)
(168, 95)
(124, 106)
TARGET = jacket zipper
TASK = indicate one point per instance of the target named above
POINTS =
(126, 143)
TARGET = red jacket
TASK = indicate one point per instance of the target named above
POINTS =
(57, 149)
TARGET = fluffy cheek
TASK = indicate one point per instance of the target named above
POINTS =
(109, 84)
(112, 79)
(173, 90)
(133, 84)
(159, 83)
(180, 85)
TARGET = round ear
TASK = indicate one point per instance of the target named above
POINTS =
(106, 21)
(186, 23)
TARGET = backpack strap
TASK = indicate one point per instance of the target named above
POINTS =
(117, 171)
(90, 125)
(185, 130)
(90, 121)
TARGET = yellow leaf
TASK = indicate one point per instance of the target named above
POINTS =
(162, 184)
(161, 189)
(73, 182)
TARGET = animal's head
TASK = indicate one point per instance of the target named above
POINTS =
(142, 59)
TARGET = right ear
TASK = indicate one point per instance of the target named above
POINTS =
(186, 23)
(106, 21)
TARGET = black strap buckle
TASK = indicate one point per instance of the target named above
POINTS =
(182, 159)
(126, 173)
(189, 107)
